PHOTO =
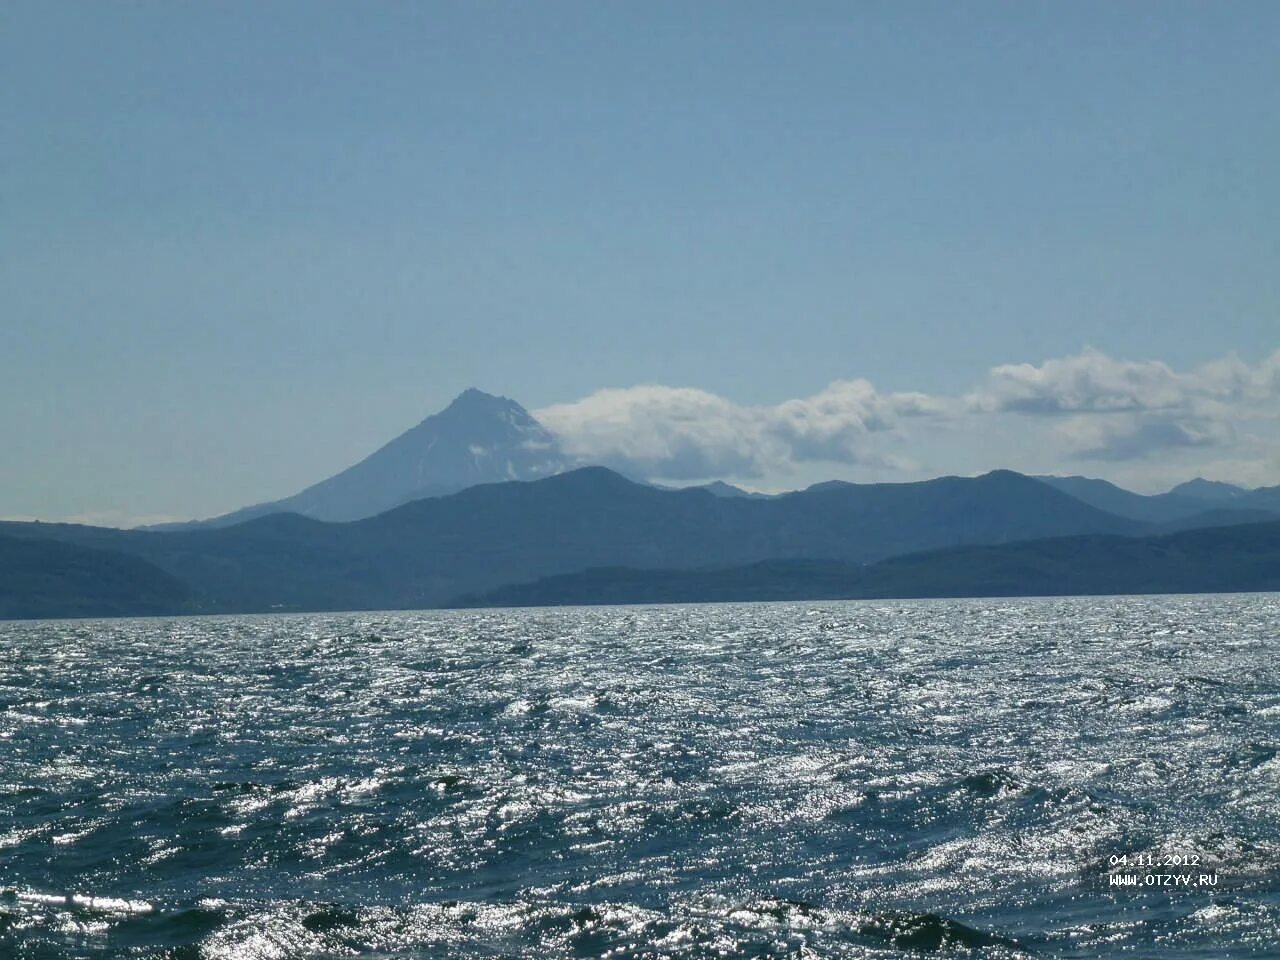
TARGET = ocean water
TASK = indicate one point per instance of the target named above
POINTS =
(873, 779)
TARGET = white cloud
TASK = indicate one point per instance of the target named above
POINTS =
(1231, 379)
(658, 431)
(1101, 409)
(1126, 409)
(1130, 437)
(685, 433)
(1090, 381)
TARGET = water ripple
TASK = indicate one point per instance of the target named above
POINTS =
(868, 779)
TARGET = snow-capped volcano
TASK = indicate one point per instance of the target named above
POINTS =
(478, 438)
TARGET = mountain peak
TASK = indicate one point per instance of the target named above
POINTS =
(1214, 490)
(472, 400)
(478, 438)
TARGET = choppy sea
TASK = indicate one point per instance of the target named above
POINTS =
(873, 779)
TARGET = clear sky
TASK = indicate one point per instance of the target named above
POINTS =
(243, 244)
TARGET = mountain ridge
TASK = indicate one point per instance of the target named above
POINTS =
(426, 552)
(1238, 558)
(1216, 491)
(484, 438)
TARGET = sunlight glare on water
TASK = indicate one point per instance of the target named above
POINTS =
(869, 779)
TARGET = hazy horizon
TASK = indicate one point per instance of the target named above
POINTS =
(248, 245)
(614, 455)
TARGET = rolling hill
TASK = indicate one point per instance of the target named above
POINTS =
(48, 578)
(430, 551)
(1242, 557)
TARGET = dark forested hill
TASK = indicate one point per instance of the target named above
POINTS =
(1241, 557)
(46, 578)
(429, 551)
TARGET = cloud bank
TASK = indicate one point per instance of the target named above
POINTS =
(685, 433)
(1123, 409)
(1085, 407)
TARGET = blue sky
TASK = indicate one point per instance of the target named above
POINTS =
(243, 244)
